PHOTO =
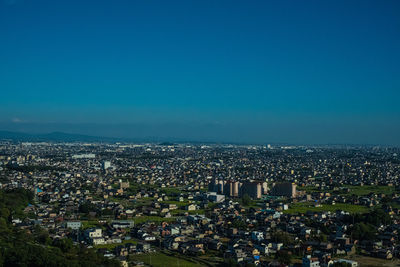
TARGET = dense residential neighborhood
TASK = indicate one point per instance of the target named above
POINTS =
(209, 204)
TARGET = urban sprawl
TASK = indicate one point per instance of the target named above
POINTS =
(207, 204)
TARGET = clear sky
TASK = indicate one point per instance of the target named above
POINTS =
(242, 71)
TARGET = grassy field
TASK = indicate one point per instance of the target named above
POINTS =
(354, 190)
(160, 259)
(367, 189)
(91, 224)
(177, 203)
(172, 191)
(157, 219)
(311, 189)
(112, 246)
(309, 206)
(177, 212)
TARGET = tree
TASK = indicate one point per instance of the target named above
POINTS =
(363, 231)
(284, 257)
(246, 200)
(282, 237)
(322, 238)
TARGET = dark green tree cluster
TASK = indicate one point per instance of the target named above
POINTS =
(246, 200)
(239, 224)
(282, 237)
(365, 225)
(19, 247)
(363, 231)
(284, 257)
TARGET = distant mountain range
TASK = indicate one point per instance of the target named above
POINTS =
(68, 137)
(54, 137)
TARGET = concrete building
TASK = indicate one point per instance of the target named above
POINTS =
(265, 188)
(231, 188)
(253, 189)
(214, 197)
(284, 189)
(106, 164)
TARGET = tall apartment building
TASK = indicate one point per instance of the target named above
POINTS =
(284, 189)
(253, 189)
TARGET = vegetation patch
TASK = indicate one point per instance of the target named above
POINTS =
(310, 206)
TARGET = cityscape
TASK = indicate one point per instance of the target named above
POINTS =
(199, 133)
(206, 204)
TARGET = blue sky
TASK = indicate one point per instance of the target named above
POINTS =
(243, 71)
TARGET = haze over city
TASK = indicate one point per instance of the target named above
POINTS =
(301, 72)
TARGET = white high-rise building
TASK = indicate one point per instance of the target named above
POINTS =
(106, 165)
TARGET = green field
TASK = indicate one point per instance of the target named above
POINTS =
(112, 246)
(177, 203)
(157, 219)
(172, 191)
(354, 190)
(309, 206)
(176, 212)
(92, 224)
(367, 189)
(160, 259)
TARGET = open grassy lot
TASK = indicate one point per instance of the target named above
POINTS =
(172, 191)
(157, 219)
(112, 246)
(354, 190)
(160, 259)
(178, 212)
(92, 224)
(367, 189)
(177, 203)
(312, 189)
(309, 206)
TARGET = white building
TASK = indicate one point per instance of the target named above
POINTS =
(258, 236)
(106, 165)
(84, 156)
(214, 197)
(349, 262)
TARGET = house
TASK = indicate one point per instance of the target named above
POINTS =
(93, 232)
(121, 224)
(214, 244)
(191, 207)
(98, 241)
(143, 247)
(264, 249)
(308, 261)
(257, 236)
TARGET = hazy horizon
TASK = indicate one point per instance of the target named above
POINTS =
(218, 133)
